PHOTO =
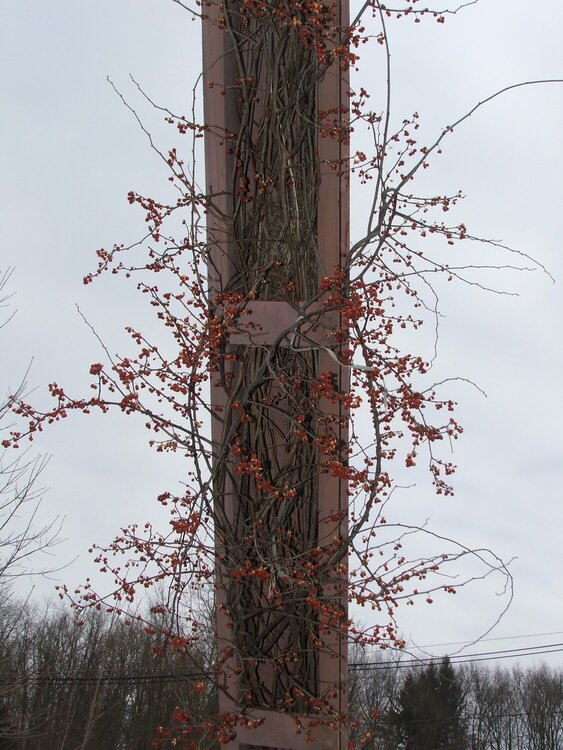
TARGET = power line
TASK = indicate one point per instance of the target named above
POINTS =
(463, 717)
(461, 658)
(14, 678)
(507, 656)
(496, 638)
(385, 722)
(149, 677)
(470, 718)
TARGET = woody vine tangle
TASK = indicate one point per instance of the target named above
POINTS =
(293, 410)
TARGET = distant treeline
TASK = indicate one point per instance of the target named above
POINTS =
(107, 685)
(469, 707)
(104, 685)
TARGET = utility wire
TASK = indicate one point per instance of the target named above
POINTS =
(380, 722)
(495, 638)
(15, 678)
(149, 677)
(461, 717)
(549, 648)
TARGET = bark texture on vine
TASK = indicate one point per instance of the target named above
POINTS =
(281, 561)
(282, 374)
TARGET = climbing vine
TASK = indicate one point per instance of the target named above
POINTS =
(332, 397)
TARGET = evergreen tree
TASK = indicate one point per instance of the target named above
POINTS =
(429, 715)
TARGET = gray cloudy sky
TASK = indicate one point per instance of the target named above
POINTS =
(70, 154)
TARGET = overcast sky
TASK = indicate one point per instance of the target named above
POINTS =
(70, 154)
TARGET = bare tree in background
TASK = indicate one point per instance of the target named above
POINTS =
(284, 374)
(22, 535)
